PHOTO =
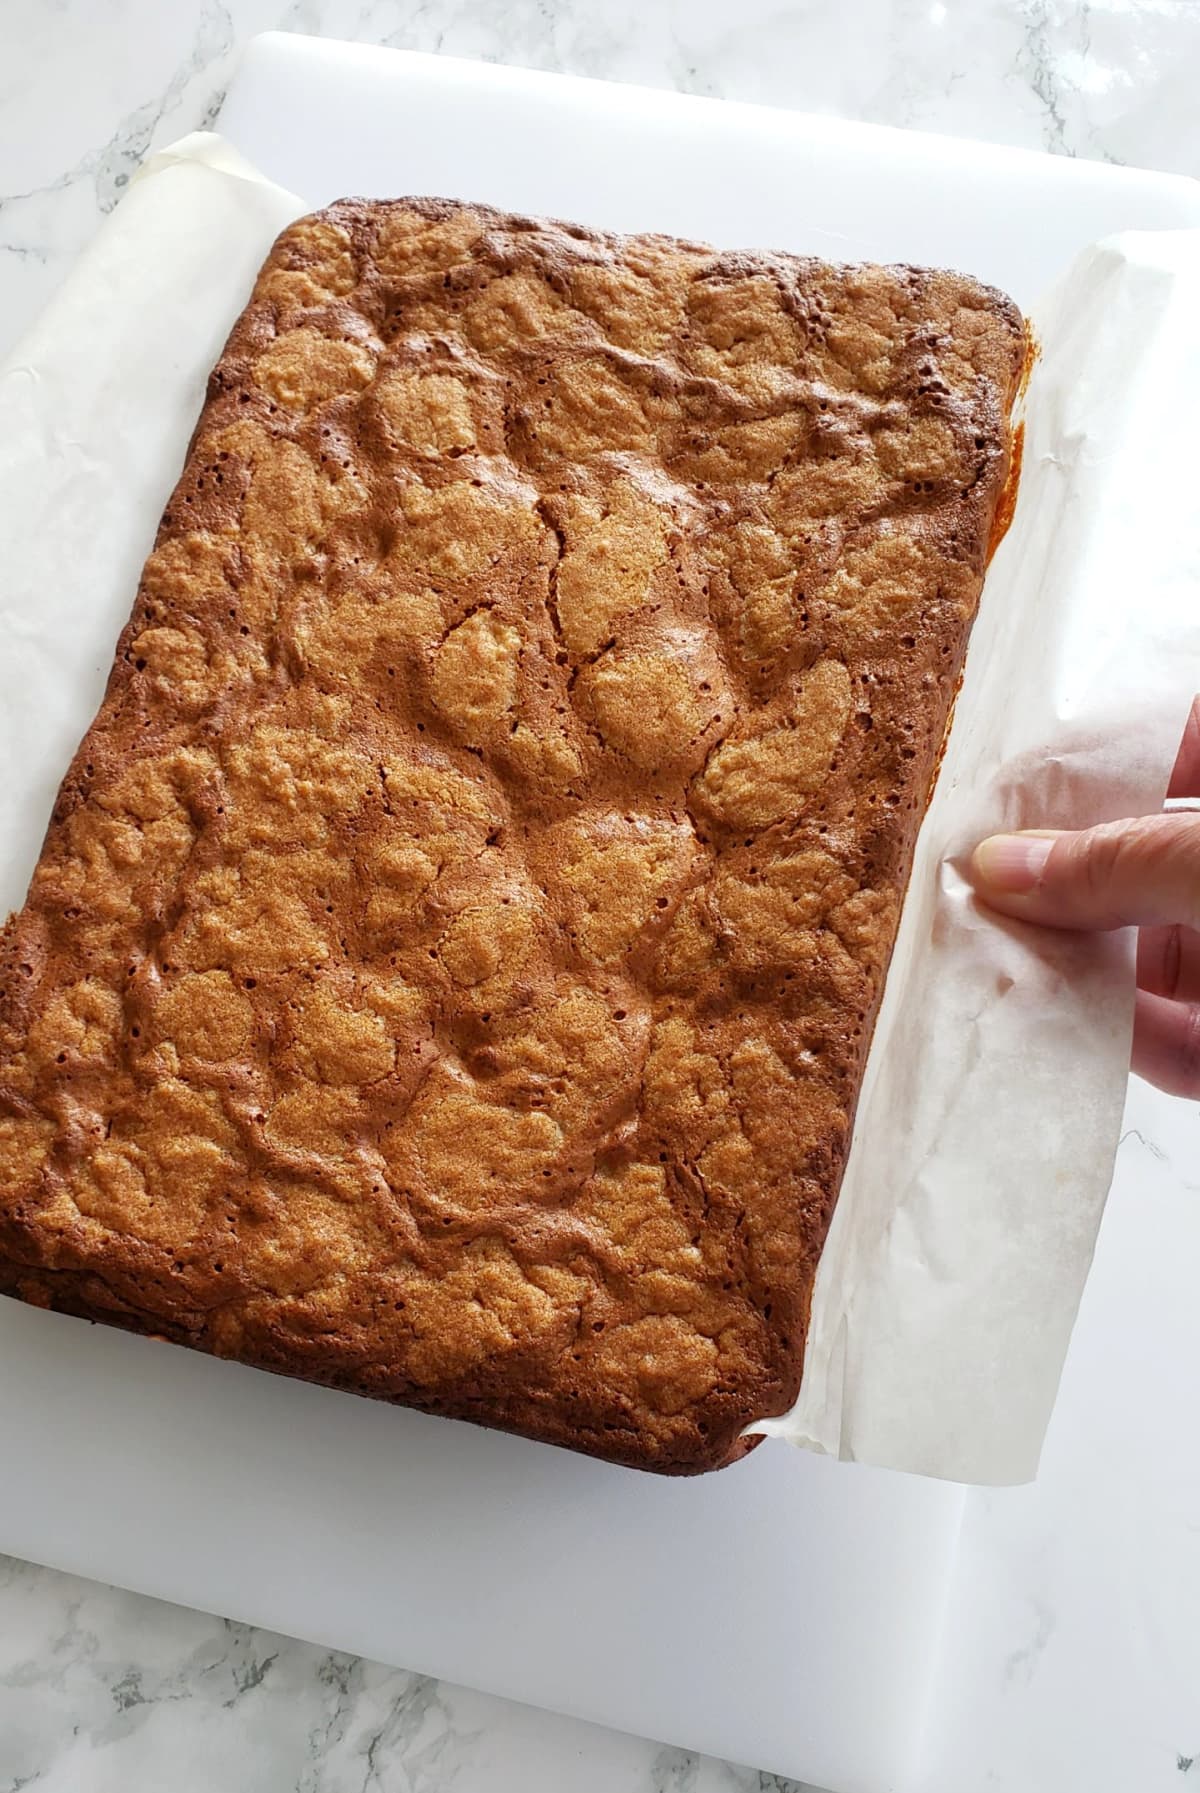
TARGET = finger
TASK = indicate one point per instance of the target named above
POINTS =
(1168, 962)
(1185, 779)
(1166, 1044)
(1145, 871)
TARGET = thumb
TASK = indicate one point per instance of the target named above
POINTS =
(1139, 872)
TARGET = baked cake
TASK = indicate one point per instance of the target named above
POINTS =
(453, 955)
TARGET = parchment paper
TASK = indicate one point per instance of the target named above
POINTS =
(991, 1109)
(992, 1103)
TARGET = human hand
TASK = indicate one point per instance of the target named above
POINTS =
(1142, 873)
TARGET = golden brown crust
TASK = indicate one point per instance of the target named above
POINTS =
(451, 962)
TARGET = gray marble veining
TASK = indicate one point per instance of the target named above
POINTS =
(87, 87)
(106, 1692)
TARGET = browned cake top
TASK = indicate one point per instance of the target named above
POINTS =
(451, 962)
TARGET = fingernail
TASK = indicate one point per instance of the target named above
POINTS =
(1012, 863)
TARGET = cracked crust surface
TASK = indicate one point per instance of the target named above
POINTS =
(452, 959)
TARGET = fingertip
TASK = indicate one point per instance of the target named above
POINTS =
(1008, 865)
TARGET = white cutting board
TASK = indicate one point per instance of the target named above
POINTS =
(784, 1612)
(329, 119)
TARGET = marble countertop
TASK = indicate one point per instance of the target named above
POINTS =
(105, 1690)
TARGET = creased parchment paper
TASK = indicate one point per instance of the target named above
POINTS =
(97, 406)
(991, 1108)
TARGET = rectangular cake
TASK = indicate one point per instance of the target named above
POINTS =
(452, 960)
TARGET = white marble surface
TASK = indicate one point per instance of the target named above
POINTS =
(1071, 1660)
(1045, 1693)
(106, 1692)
